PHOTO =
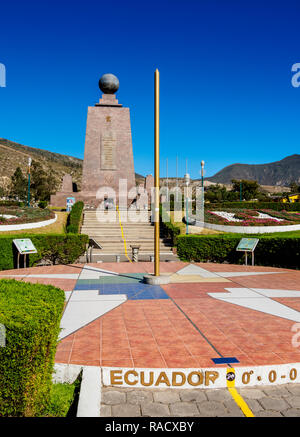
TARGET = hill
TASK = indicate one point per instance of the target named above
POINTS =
(13, 155)
(279, 173)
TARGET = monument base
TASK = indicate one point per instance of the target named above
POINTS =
(157, 280)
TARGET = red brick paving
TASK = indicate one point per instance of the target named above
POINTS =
(155, 333)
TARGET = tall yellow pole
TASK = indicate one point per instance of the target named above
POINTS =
(156, 176)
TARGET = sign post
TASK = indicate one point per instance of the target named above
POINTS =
(247, 245)
(24, 247)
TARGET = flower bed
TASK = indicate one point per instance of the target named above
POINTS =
(15, 216)
(252, 218)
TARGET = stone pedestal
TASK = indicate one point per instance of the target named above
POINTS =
(60, 198)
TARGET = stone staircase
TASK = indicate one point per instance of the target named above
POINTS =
(109, 236)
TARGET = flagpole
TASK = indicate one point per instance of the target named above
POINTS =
(156, 175)
(156, 279)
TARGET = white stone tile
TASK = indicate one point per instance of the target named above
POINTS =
(94, 273)
(193, 269)
(82, 312)
(233, 274)
(252, 300)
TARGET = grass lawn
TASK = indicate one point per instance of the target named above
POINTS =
(56, 228)
(192, 229)
(61, 399)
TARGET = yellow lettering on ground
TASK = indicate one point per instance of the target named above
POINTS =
(115, 378)
(126, 377)
(162, 379)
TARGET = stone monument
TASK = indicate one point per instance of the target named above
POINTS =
(108, 155)
(67, 184)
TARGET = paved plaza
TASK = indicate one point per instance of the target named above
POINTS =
(207, 311)
(210, 318)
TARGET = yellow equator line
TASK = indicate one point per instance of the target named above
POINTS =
(124, 241)
(236, 396)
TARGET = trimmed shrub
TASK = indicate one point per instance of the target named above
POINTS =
(10, 203)
(74, 218)
(60, 248)
(277, 251)
(31, 315)
(43, 204)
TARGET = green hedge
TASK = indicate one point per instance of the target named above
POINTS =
(10, 203)
(276, 206)
(31, 315)
(60, 248)
(277, 251)
(168, 229)
(74, 218)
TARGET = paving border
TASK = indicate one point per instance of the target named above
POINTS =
(90, 389)
(208, 378)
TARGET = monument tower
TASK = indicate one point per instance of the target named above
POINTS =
(108, 155)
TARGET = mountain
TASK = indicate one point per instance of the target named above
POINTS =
(13, 155)
(279, 173)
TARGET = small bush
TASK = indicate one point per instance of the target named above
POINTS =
(43, 204)
(168, 229)
(74, 218)
(31, 315)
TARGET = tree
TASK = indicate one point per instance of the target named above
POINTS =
(18, 185)
(51, 182)
(39, 182)
(218, 193)
(295, 188)
(250, 189)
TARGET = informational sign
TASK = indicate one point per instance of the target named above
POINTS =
(25, 246)
(247, 244)
(70, 203)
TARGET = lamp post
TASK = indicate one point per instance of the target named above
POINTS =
(187, 182)
(28, 190)
(202, 183)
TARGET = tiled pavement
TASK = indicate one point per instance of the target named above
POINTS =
(264, 401)
(153, 328)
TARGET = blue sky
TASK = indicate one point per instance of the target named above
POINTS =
(225, 68)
